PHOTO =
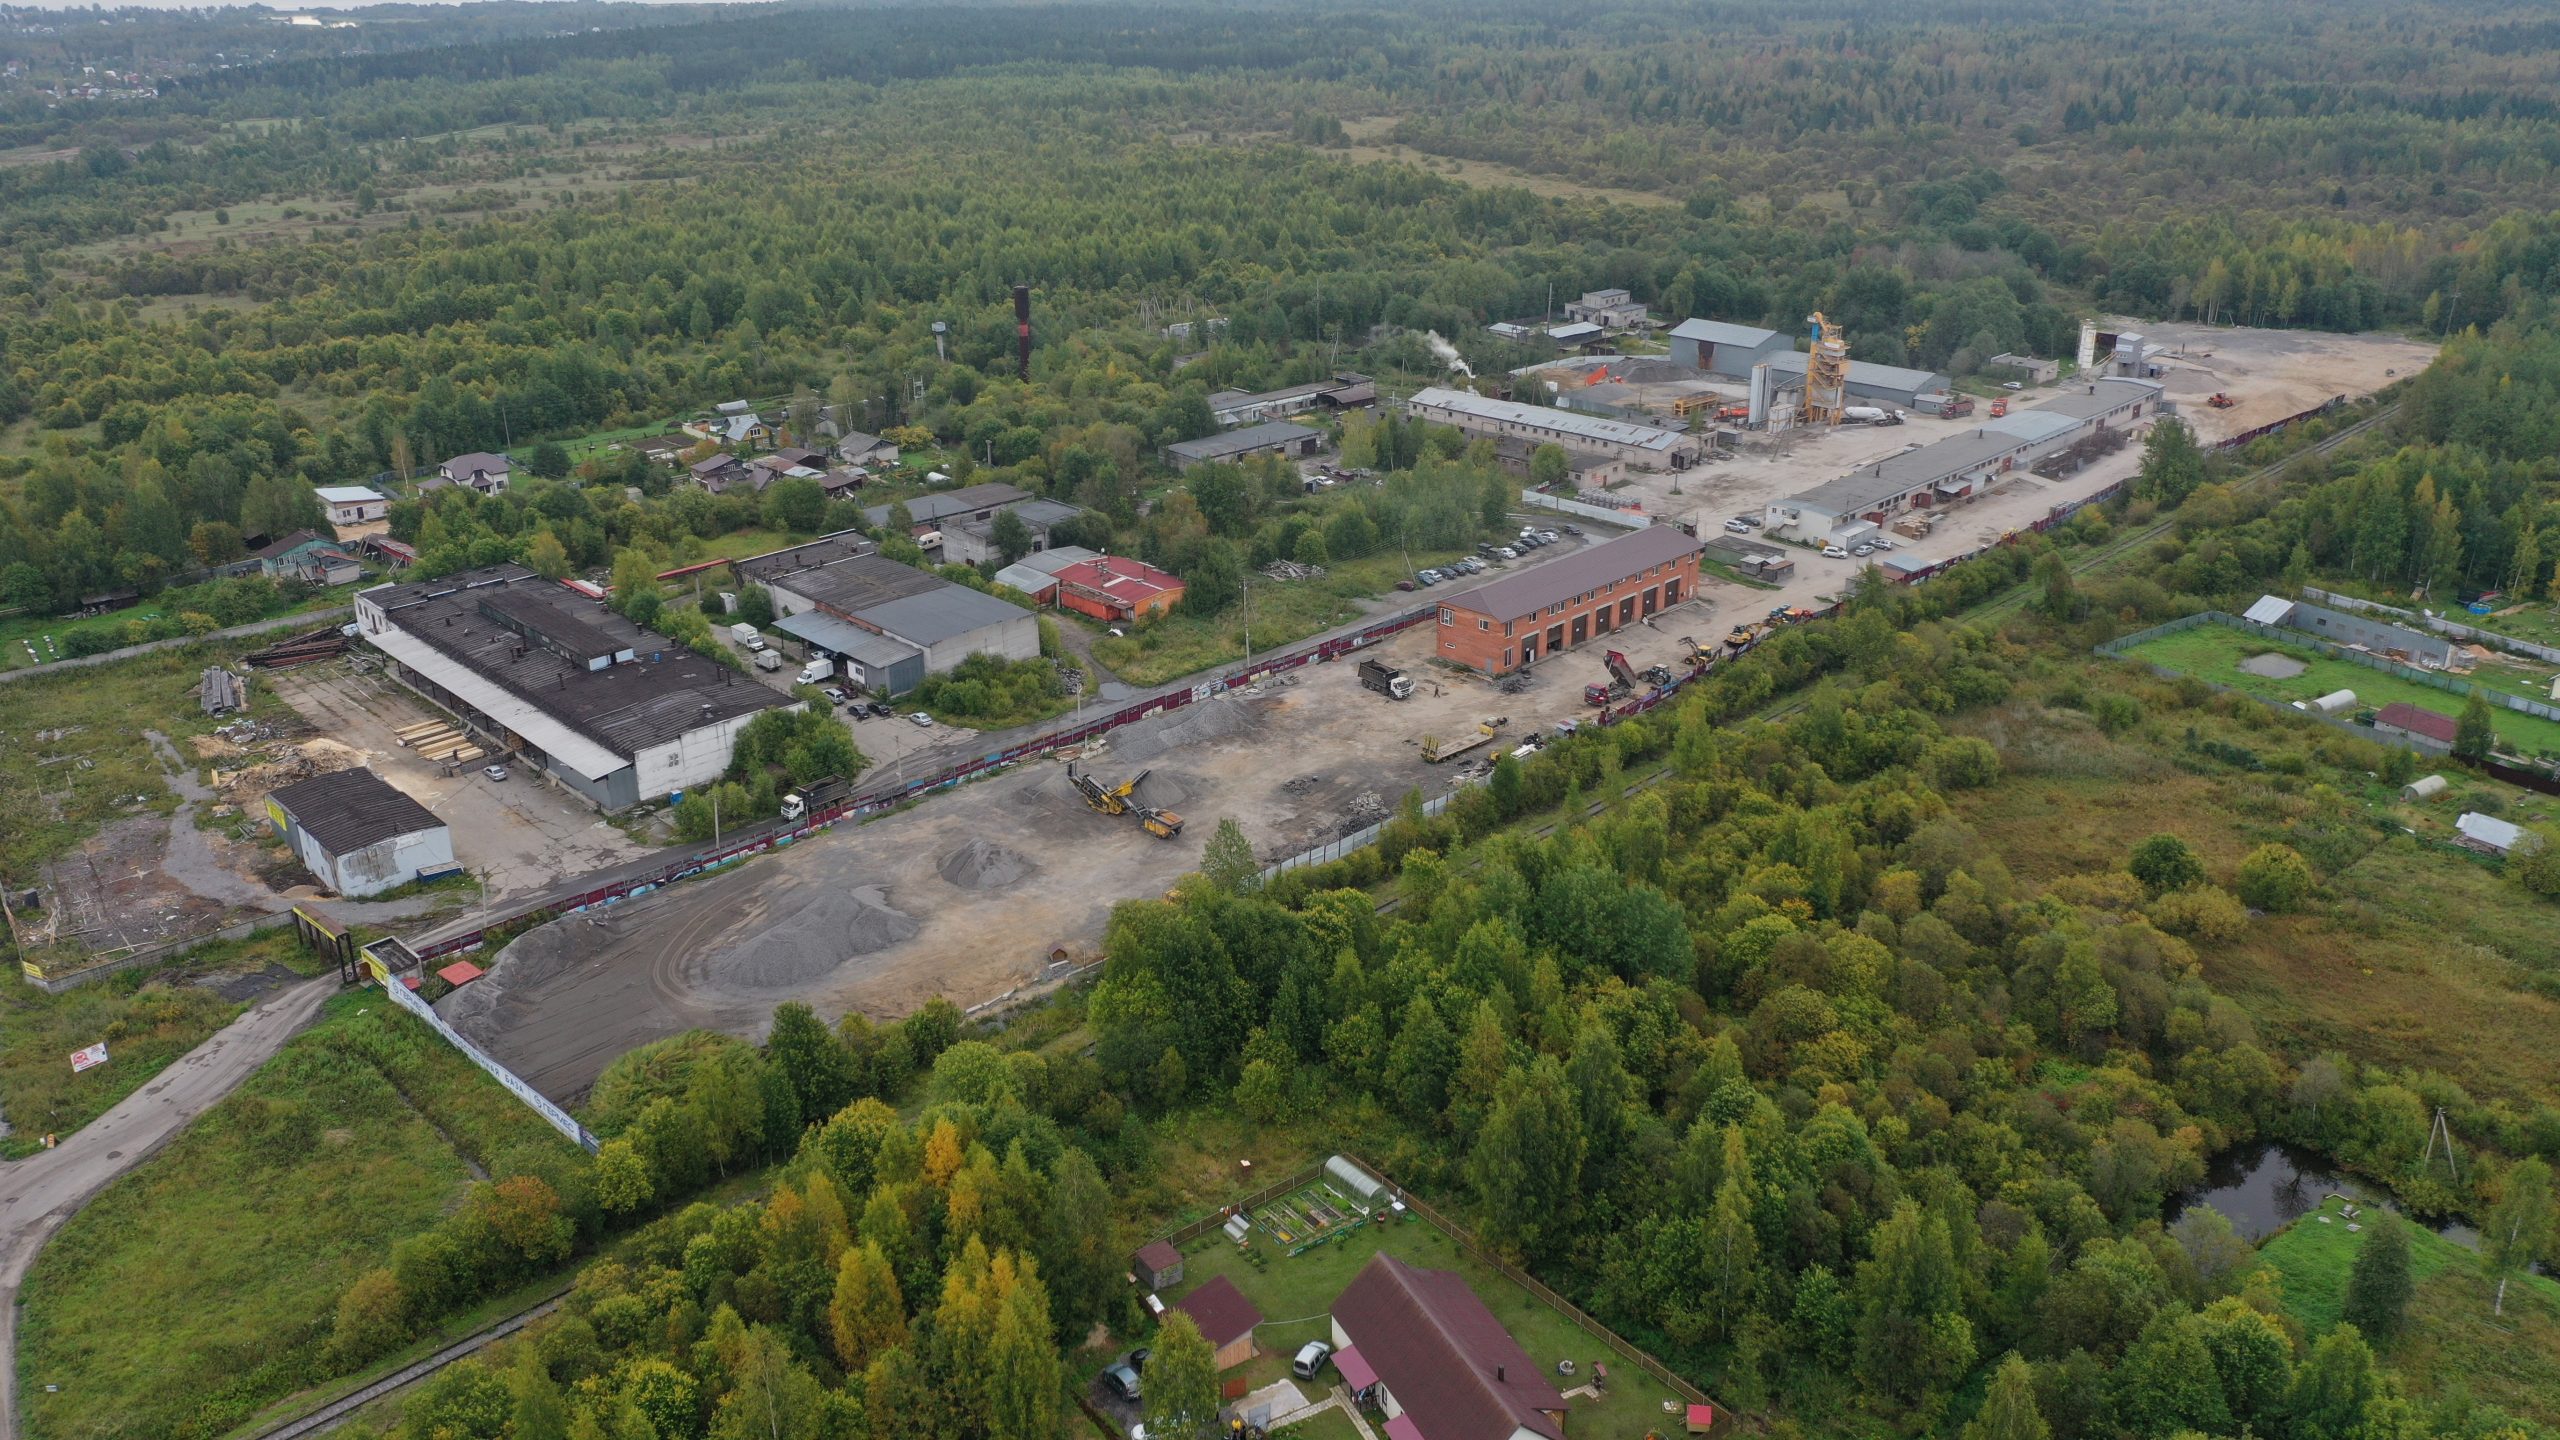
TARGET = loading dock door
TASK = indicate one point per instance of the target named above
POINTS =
(1581, 628)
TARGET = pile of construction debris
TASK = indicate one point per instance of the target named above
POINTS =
(1292, 570)
(1302, 784)
(276, 769)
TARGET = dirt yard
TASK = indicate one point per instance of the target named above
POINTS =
(2271, 373)
(520, 835)
(977, 891)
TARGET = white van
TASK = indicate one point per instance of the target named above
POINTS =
(816, 671)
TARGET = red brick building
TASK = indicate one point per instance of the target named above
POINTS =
(1114, 587)
(1508, 624)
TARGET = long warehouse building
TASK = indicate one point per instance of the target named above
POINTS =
(615, 712)
(1507, 624)
(1646, 447)
(1959, 466)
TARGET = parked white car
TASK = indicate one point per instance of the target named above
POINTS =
(1834, 552)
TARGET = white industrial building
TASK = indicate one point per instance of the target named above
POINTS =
(359, 835)
(1609, 309)
(1645, 447)
(1964, 464)
(615, 712)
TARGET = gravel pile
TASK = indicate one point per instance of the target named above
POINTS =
(815, 939)
(1193, 724)
(984, 865)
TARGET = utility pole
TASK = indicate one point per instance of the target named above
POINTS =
(2436, 1131)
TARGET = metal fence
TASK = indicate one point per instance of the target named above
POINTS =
(1605, 514)
(2440, 624)
(541, 1104)
(1335, 849)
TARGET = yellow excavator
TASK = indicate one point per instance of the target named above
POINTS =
(1117, 800)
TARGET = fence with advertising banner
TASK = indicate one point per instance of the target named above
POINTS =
(559, 1119)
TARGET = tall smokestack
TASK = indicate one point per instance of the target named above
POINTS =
(1022, 325)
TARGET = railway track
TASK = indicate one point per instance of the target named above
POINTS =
(2105, 556)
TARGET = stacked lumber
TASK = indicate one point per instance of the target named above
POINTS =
(324, 643)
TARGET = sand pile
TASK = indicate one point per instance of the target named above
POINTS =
(1193, 724)
(810, 942)
(984, 865)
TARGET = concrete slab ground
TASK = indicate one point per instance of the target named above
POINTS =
(521, 835)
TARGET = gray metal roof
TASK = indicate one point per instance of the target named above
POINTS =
(1863, 372)
(1588, 427)
(2099, 397)
(857, 584)
(1241, 442)
(943, 614)
(967, 500)
(842, 637)
(1536, 588)
(349, 809)
(1900, 474)
(2033, 426)
(1718, 332)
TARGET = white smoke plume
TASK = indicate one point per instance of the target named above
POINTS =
(1448, 353)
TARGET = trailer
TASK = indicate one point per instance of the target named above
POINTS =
(1436, 749)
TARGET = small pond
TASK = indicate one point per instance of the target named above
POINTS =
(2262, 1188)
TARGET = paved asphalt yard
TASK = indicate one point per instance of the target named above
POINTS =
(38, 1193)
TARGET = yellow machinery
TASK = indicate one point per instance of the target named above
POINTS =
(1826, 375)
(1115, 800)
(1688, 405)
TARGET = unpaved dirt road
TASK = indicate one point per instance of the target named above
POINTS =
(39, 1193)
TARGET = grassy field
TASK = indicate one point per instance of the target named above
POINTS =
(24, 638)
(363, 1129)
(58, 790)
(1281, 614)
(2214, 652)
(1295, 1296)
(2410, 952)
(147, 1018)
(2450, 1342)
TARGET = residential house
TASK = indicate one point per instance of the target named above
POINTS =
(744, 432)
(354, 504)
(305, 556)
(724, 472)
(480, 470)
(856, 448)
(1420, 1346)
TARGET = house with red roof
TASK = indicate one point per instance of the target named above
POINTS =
(1420, 1346)
(1226, 1319)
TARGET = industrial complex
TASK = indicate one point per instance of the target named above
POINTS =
(616, 713)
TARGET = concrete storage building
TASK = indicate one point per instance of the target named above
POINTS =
(2029, 368)
(1507, 624)
(1343, 391)
(893, 624)
(931, 514)
(1036, 574)
(1271, 437)
(972, 541)
(617, 713)
(1644, 447)
(1713, 347)
(1609, 309)
(359, 835)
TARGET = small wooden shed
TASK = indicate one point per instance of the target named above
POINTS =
(1158, 1265)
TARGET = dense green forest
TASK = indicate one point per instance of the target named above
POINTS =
(337, 264)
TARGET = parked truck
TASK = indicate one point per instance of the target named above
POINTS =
(1386, 680)
(745, 634)
(767, 659)
(1435, 749)
(815, 796)
(1622, 682)
(1870, 415)
(817, 672)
